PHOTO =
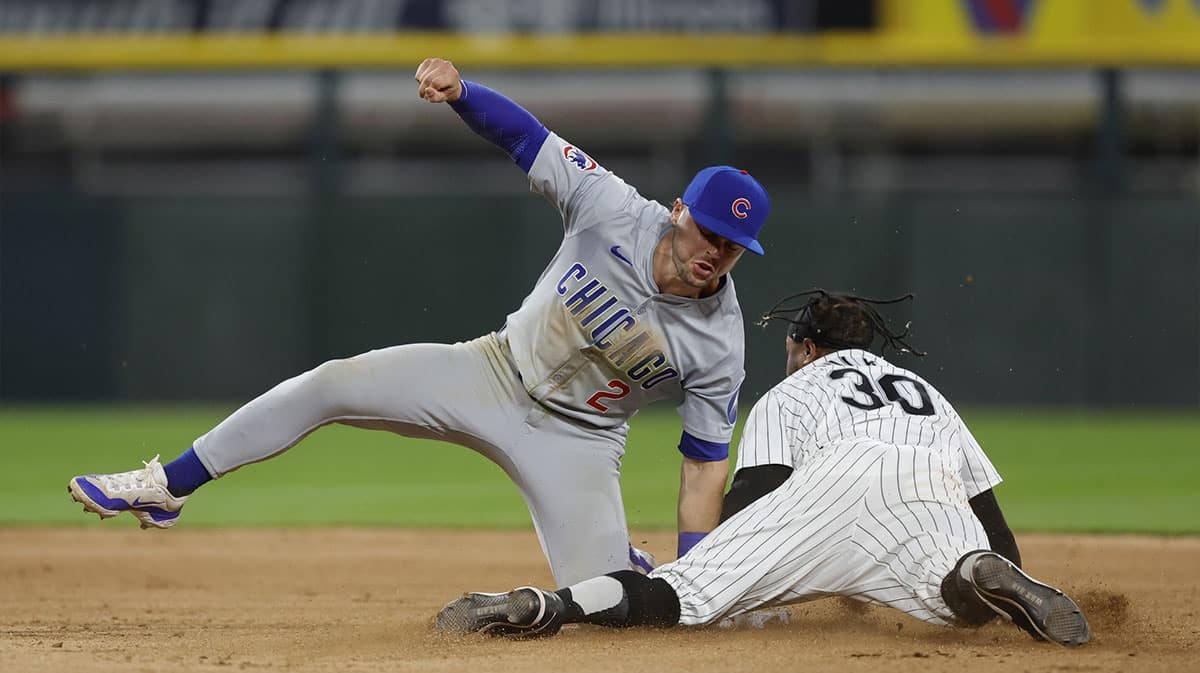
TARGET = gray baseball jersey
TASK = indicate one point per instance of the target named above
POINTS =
(548, 398)
(595, 341)
(876, 508)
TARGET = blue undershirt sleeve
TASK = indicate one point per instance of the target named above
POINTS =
(699, 449)
(498, 118)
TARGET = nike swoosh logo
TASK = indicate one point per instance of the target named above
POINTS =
(616, 250)
(137, 502)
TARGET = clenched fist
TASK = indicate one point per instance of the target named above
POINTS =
(438, 81)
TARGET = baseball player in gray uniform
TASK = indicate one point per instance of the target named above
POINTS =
(637, 305)
(854, 477)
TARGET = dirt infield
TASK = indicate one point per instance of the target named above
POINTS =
(119, 599)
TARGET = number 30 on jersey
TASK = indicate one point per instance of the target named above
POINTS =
(891, 386)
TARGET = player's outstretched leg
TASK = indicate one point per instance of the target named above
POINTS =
(985, 583)
(143, 493)
(622, 598)
(525, 612)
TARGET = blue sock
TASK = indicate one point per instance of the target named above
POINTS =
(186, 473)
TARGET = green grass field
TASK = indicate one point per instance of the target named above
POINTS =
(1064, 471)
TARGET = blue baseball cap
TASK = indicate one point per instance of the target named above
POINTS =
(729, 203)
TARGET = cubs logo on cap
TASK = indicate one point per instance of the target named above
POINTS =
(741, 208)
(730, 203)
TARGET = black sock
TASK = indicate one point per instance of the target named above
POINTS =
(652, 602)
(962, 599)
(622, 598)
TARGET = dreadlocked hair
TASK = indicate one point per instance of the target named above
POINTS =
(837, 321)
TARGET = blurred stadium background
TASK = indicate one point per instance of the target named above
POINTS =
(199, 198)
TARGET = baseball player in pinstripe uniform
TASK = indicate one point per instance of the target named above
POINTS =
(854, 477)
(637, 305)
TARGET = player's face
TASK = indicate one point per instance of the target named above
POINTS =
(700, 257)
(798, 354)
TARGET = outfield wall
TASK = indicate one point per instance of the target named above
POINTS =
(1021, 300)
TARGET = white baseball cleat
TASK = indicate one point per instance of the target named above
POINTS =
(143, 493)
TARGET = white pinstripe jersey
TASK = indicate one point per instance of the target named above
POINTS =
(853, 394)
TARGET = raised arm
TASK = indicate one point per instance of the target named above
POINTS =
(489, 113)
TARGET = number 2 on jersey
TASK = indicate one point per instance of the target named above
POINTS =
(889, 384)
(621, 388)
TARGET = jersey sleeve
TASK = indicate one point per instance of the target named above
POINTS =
(502, 121)
(977, 472)
(584, 192)
(765, 437)
(709, 407)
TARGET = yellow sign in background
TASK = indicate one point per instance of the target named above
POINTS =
(1140, 21)
(936, 33)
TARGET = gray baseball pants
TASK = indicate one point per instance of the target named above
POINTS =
(468, 394)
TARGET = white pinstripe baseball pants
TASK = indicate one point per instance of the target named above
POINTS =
(879, 523)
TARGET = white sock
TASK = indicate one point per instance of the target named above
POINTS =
(597, 594)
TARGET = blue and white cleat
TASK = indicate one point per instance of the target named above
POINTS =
(143, 493)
